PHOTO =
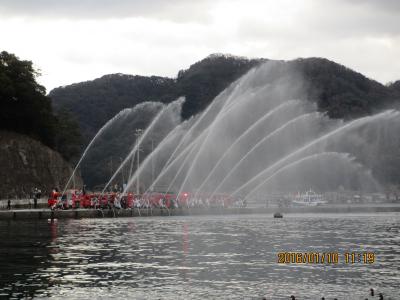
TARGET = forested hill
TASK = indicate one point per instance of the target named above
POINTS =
(93, 103)
(25, 108)
(83, 108)
(32, 137)
(340, 91)
(395, 86)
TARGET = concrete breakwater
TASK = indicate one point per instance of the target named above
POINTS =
(23, 203)
(22, 214)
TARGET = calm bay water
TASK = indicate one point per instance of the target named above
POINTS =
(206, 257)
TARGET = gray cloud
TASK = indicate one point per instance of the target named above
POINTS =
(89, 38)
(329, 21)
(392, 6)
(176, 10)
(358, 18)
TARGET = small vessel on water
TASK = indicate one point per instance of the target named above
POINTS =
(278, 215)
(309, 198)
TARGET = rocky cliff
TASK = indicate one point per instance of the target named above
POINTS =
(26, 164)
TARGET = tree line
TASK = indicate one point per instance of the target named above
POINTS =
(25, 108)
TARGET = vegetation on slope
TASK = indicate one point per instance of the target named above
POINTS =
(25, 108)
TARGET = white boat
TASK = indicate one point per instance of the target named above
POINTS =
(309, 198)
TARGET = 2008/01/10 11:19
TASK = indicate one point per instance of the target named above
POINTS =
(325, 257)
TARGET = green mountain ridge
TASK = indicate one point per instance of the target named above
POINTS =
(106, 96)
(93, 103)
(60, 118)
(337, 90)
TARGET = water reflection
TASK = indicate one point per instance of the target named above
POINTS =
(197, 257)
(23, 250)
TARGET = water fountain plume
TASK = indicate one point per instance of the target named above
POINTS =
(313, 115)
(173, 136)
(222, 113)
(165, 168)
(211, 128)
(262, 84)
(122, 114)
(351, 125)
(247, 137)
(244, 134)
(222, 99)
(173, 158)
(183, 164)
(346, 157)
(185, 154)
(171, 106)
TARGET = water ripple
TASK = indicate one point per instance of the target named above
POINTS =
(198, 257)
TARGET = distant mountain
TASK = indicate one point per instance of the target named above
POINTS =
(338, 90)
(342, 92)
(93, 103)
(395, 86)
(204, 80)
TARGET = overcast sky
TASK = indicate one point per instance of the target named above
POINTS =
(77, 40)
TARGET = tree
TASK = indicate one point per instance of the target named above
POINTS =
(24, 107)
(68, 139)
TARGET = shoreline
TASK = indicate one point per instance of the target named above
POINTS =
(81, 213)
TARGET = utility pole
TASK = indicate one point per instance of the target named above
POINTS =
(111, 167)
(138, 134)
(122, 172)
(152, 163)
(73, 180)
(131, 168)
